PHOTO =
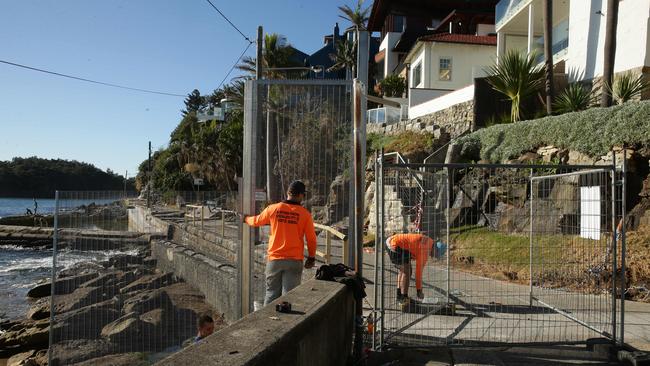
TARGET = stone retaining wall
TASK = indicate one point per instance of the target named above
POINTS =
(455, 121)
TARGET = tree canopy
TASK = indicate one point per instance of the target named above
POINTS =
(36, 177)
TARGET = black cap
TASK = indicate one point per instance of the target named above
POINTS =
(297, 187)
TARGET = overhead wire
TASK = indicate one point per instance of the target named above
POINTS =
(234, 65)
(89, 80)
(228, 20)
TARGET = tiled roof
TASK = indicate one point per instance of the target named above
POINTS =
(460, 38)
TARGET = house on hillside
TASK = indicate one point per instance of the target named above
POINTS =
(323, 59)
(578, 35)
(437, 46)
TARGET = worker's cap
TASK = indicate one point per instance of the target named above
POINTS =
(297, 187)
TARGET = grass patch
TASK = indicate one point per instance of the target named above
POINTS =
(592, 132)
(413, 145)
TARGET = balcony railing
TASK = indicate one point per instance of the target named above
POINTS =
(506, 8)
(386, 115)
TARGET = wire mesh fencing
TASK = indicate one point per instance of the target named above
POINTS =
(520, 254)
(300, 129)
(108, 298)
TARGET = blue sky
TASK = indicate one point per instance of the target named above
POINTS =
(166, 45)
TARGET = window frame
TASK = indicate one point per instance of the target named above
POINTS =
(419, 74)
(450, 67)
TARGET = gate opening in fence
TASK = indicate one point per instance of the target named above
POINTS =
(523, 254)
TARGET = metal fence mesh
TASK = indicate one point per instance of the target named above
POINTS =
(303, 132)
(109, 300)
(524, 254)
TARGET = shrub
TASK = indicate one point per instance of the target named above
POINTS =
(627, 87)
(592, 132)
(392, 86)
(576, 97)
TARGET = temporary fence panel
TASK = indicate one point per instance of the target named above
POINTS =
(108, 298)
(294, 129)
(522, 254)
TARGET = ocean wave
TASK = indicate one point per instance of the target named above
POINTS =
(64, 260)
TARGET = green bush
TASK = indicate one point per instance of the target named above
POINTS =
(592, 132)
(412, 145)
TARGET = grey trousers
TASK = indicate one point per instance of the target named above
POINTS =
(282, 275)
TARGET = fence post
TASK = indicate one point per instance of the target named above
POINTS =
(614, 251)
(55, 240)
(223, 224)
(377, 244)
(448, 211)
(381, 246)
(250, 170)
(530, 249)
(623, 249)
(202, 208)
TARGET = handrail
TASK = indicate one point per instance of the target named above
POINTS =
(404, 161)
(329, 232)
(436, 152)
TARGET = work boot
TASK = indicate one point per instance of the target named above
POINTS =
(399, 295)
(404, 303)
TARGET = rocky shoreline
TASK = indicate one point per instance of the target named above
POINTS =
(120, 311)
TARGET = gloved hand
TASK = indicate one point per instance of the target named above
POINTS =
(420, 294)
(309, 262)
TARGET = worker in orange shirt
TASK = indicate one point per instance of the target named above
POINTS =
(401, 249)
(290, 224)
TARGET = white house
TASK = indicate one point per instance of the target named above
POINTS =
(578, 34)
(444, 62)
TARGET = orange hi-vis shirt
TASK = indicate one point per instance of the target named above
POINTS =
(419, 246)
(290, 223)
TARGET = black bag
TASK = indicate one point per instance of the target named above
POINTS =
(328, 272)
(336, 272)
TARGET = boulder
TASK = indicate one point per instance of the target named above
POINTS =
(130, 332)
(81, 268)
(86, 322)
(117, 279)
(23, 359)
(79, 350)
(122, 261)
(25, 335)
(39, 310)
(147, 301)
(63, 286)
(81, 297)
(149, 282)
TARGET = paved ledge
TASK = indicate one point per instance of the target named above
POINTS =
(318, 332)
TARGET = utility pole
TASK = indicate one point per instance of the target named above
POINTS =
(259, 57)
(611, 23)
(149, 185)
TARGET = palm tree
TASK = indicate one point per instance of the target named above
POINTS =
(345, 57)
(276, 54)
(357, 16)
(610, 51)
(517, 76)
(548, 54)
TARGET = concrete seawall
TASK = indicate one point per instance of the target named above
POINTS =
(317, 332)
(217, 280)
(195, 256)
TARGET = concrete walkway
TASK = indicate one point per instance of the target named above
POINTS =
(489, 311)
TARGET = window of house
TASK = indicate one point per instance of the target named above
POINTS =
(444, 72)
(416, 79)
